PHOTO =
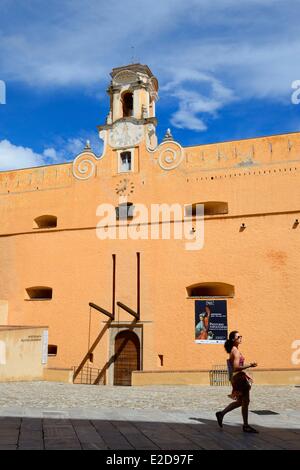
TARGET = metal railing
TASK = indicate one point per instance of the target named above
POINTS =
(218, 375)
(88, 376)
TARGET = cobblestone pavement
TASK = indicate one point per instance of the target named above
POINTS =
(52, 394)
(41, 415)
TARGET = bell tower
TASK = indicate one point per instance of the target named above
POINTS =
(129, 133)
(133, 92)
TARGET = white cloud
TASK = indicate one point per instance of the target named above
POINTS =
(50, 153)
(250, 47)
(74, 146)
(15, 156)
(193, 103)
(68, 149)
(77, 42)
(185, 119)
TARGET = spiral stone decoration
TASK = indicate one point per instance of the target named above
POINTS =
(170, 156)
(84, 166)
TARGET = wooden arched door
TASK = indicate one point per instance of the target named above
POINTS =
(127, 357)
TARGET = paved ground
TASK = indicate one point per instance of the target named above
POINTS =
(43, 415)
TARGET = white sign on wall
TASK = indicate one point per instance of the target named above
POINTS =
(45, 347)
(2, 353)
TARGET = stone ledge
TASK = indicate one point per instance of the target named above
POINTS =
(58, 375)
(201, 377)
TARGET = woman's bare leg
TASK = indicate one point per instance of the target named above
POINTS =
(232, 406)
(220, 414)
(245, 407)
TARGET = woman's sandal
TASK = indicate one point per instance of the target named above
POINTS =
(219, 418)
(247, 428)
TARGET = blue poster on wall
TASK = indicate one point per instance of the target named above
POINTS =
(210, 321)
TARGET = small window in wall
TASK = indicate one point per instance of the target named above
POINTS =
(210, 208)
(127, 101)
(52, 350)
(161, 360)
(45, 221)
(124, 211)
(125, 163)
(210, 289)
(151, 109)
(39, 293)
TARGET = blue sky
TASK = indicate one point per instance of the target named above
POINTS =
(225, 70)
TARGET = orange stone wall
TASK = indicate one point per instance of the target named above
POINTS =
(258, 178)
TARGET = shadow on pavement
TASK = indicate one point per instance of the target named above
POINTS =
(95, 434)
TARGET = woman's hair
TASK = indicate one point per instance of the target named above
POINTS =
(206, 314)
(229, 342)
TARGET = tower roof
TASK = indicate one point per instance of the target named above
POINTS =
(134, 68)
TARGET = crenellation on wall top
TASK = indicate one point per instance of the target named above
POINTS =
(170, 157)
(245, 153)
(36, 178)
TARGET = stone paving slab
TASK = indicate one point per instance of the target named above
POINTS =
(168, 431)
(288, 420)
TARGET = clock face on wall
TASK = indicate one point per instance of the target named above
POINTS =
(124, 187)
(125, 134)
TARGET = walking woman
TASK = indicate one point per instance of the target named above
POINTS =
(241, 382)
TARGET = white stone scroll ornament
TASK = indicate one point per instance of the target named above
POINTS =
(170, 156)
(84, 165)
(170, 153)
